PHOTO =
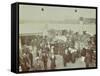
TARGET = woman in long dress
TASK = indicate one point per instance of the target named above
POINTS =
(53, 63)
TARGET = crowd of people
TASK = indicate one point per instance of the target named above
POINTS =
(40, 52)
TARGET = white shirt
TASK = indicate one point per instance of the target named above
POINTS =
(72, 50)
(66, 51)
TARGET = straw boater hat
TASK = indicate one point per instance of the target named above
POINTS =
(37, 58)
(30, 47)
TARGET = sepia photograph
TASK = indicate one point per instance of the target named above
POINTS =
(54, 38)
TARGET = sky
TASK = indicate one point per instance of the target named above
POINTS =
(32, 19)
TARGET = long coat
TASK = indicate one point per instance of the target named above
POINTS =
(53, 63)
